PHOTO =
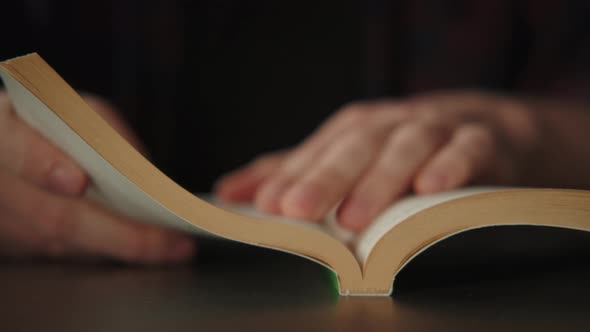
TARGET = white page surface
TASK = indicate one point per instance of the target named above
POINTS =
(402, 210)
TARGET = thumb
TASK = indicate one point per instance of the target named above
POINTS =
(25, 153)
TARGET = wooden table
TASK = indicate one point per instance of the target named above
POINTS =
(238, 288)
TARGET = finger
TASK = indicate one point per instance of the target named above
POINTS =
(24, 152)
(242, 184)
(376, 118)
(373, 116)
(358, 114)
(98, 231)
(56, 226)
(323, 186)
(468, 153)
(402, 156)
(268, 196)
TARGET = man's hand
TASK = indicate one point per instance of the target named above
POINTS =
(371, 153)
(43, 211)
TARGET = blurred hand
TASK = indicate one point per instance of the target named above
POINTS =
(43, 211)
(369, 154)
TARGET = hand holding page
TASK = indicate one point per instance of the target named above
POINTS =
(126, 182)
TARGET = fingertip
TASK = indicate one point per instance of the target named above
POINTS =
(181, 250)
(239, 186)
(161, 246)
(269, 197)
(353, 215)
(430, 183)
(301, 202)
(224, 187)
(67, 179)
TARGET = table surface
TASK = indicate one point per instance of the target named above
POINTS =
(235, 287)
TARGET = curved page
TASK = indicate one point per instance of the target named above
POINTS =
(128, 183)
(401, 211)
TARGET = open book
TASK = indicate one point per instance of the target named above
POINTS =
(365, 265)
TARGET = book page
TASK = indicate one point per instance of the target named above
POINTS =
(111, 188)
(108, 186)
(328, 225)
(402, 210)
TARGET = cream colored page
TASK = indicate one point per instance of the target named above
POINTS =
(402, 210)
(328, 226)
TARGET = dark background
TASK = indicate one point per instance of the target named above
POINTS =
(208, 85)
